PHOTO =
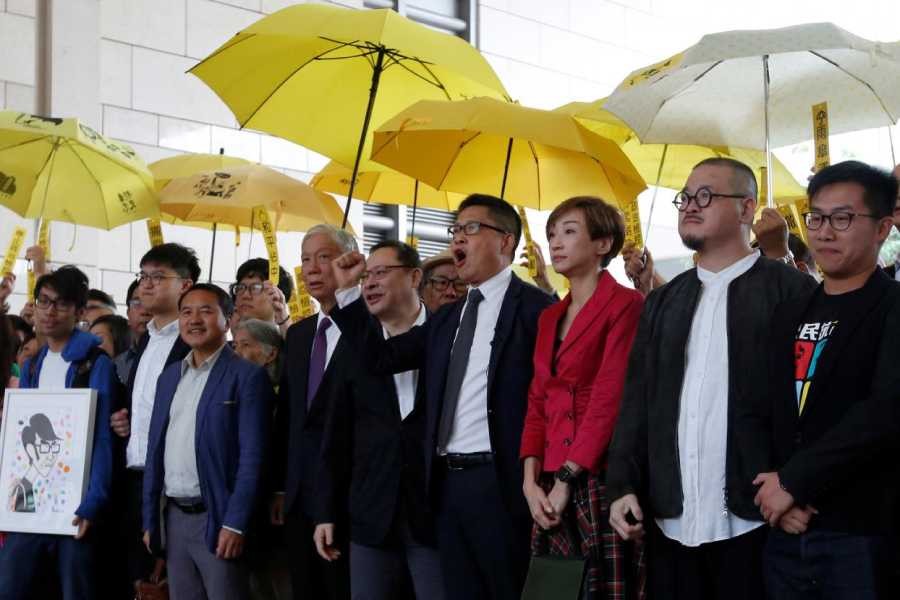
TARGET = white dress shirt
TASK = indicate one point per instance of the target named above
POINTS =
(180, 456)
(333, 333)
(406, 382)
(152, 363)
(470, 424)
(703, 418)
(54, 370)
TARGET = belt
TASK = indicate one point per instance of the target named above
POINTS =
(191, 506)
(460, 462)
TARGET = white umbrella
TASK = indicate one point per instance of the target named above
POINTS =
(755, 89)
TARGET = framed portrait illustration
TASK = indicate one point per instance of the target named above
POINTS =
(46, 439)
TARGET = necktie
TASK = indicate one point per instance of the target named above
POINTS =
(459, 360)
(317, 361)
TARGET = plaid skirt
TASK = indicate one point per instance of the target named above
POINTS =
(615, 568)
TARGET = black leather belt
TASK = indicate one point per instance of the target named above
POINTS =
(191, 506)
(460, 462)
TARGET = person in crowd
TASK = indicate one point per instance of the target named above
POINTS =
(114, 334)
(138, 318)
(477, 356)
(27, 312)
(206, 454)
(9, 346)
(27, 349)
(21, 328)
(892, 270)
(7, 285)
(372, 448)
(167, 271)
(580, 358)
(803, 258)
(696, 367)
(70, 359)
(440, 283)
(256, 298)
(99, 304)
(835, 389)
(316, 355)
(261, 343)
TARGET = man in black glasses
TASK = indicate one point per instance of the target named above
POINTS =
(683, 456)
(256, 298)
(440, 283)
(833, 410)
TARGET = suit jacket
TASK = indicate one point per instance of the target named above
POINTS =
(427, 348)
(840, 455)
(230, 442)
(298, 431)
(891, 270)
(573, 405)
(372, 461)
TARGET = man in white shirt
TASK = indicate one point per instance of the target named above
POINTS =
(167, 271)
(682, 449)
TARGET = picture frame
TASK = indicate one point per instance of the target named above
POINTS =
(46, 442)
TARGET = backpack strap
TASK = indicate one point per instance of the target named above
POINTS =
(83, 368)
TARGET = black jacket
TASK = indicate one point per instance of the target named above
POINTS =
(643, 455)
(840, 456)
(372, 459)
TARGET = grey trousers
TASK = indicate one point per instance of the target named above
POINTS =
(194, 572)
(377, 573)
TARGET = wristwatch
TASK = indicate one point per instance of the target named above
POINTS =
(566, 475)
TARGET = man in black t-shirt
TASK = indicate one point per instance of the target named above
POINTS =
(832, 494)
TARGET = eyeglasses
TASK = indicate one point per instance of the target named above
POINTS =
(442, 283)
(44, 303)
(155, 278)
(48, 447)
(135, 303)
(379, 273)
(839, 220)
(702, 198)
(255, 289)
(472, 228)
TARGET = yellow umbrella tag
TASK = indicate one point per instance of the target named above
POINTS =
(44, 238)
(15, 246)
(413, 241)
(306, 306)
(633, 233)
(294, 305)
(529, 244)
(820, 135)
(261, 218)
(154, 230)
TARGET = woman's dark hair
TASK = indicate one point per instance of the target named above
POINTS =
(118, 328)
(9, 347)
(259, 267)
(224, 299)
(181, 259)
(102, 297)
(69, 282)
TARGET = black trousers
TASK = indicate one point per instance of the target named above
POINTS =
(130, 550)
(726, 570)
(484, 549)
(311, 575)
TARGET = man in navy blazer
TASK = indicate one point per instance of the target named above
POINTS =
(205, 454)
(476, 359)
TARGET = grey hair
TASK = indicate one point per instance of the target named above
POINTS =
(267, 334)
(343, 238)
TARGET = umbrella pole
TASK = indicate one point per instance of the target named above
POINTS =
(212, 252)
(770, 199)
(412, 228)
(891, 142)
(506, 169)
(662, 161)
(373, 91)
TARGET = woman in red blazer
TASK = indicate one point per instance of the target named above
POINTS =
(580, 358)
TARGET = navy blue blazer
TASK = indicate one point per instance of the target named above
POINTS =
(230, 441)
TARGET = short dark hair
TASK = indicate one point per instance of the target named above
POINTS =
(181, 259)
(118, 327)
(38, 425)
(259, 267)
(224, 299)
(880, 187)
(406, 254)
(602, 219)
(799, 249)
(101, 297)
(20, 325)
(69, 282)
(503, 213)
(132, 288)
(743, 180)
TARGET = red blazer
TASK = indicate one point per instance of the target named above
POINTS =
(571, 414)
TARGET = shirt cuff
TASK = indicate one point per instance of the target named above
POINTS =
(347, 296)
(232, 529)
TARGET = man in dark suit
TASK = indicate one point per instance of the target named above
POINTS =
(372, 457)
(892, 270)
(205, 455)
(476, 359)
(316, 354)
(167, 271)
(836, 388)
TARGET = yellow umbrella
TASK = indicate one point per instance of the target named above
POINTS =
(536, 158)
(185, 165)
(318, 75)
(62, 170)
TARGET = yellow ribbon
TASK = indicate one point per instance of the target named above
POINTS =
(820, 135)
(633, 234)
(303, 298)
(154, 230)
(12, 252)
(530, 252)
(261, 219)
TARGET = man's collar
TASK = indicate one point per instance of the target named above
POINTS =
(166, 330)
(496, 284)
(188, 361)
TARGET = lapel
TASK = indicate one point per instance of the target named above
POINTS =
(445, 336)
(504, 327)
(306, 333)
(590, 312)
(212, 385)
(337, 358)
(543, 345)
(390, 385)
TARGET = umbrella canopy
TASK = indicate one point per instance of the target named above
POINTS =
(723, 90)
(185, 165)
(318, 75)
(62, 170)
(534, 158)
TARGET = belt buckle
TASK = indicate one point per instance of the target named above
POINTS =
(450, 464)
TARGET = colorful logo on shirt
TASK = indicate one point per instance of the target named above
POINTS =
(808, 347)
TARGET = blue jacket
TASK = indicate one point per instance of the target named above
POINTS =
(103, 379)
(230, 441)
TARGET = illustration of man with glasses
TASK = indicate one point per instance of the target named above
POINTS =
(41, 444)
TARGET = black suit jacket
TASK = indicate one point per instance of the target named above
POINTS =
(891, 271)
(840, 455)
(298, 431)
(372, 461)
(427, 348)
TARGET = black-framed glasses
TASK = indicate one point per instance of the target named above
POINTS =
(44, 303)
(702, 198)
(839, 220)
(379, 273)
(472, 228)
(154, 278)
(442, 283)
(255, 289)
(49, 447)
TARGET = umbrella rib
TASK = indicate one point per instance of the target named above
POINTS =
(221, 50)
(436, 83)
(97, 181)
(679, 92)
(537, 168)
(452, 160)
(43, 138)
(865, 83)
